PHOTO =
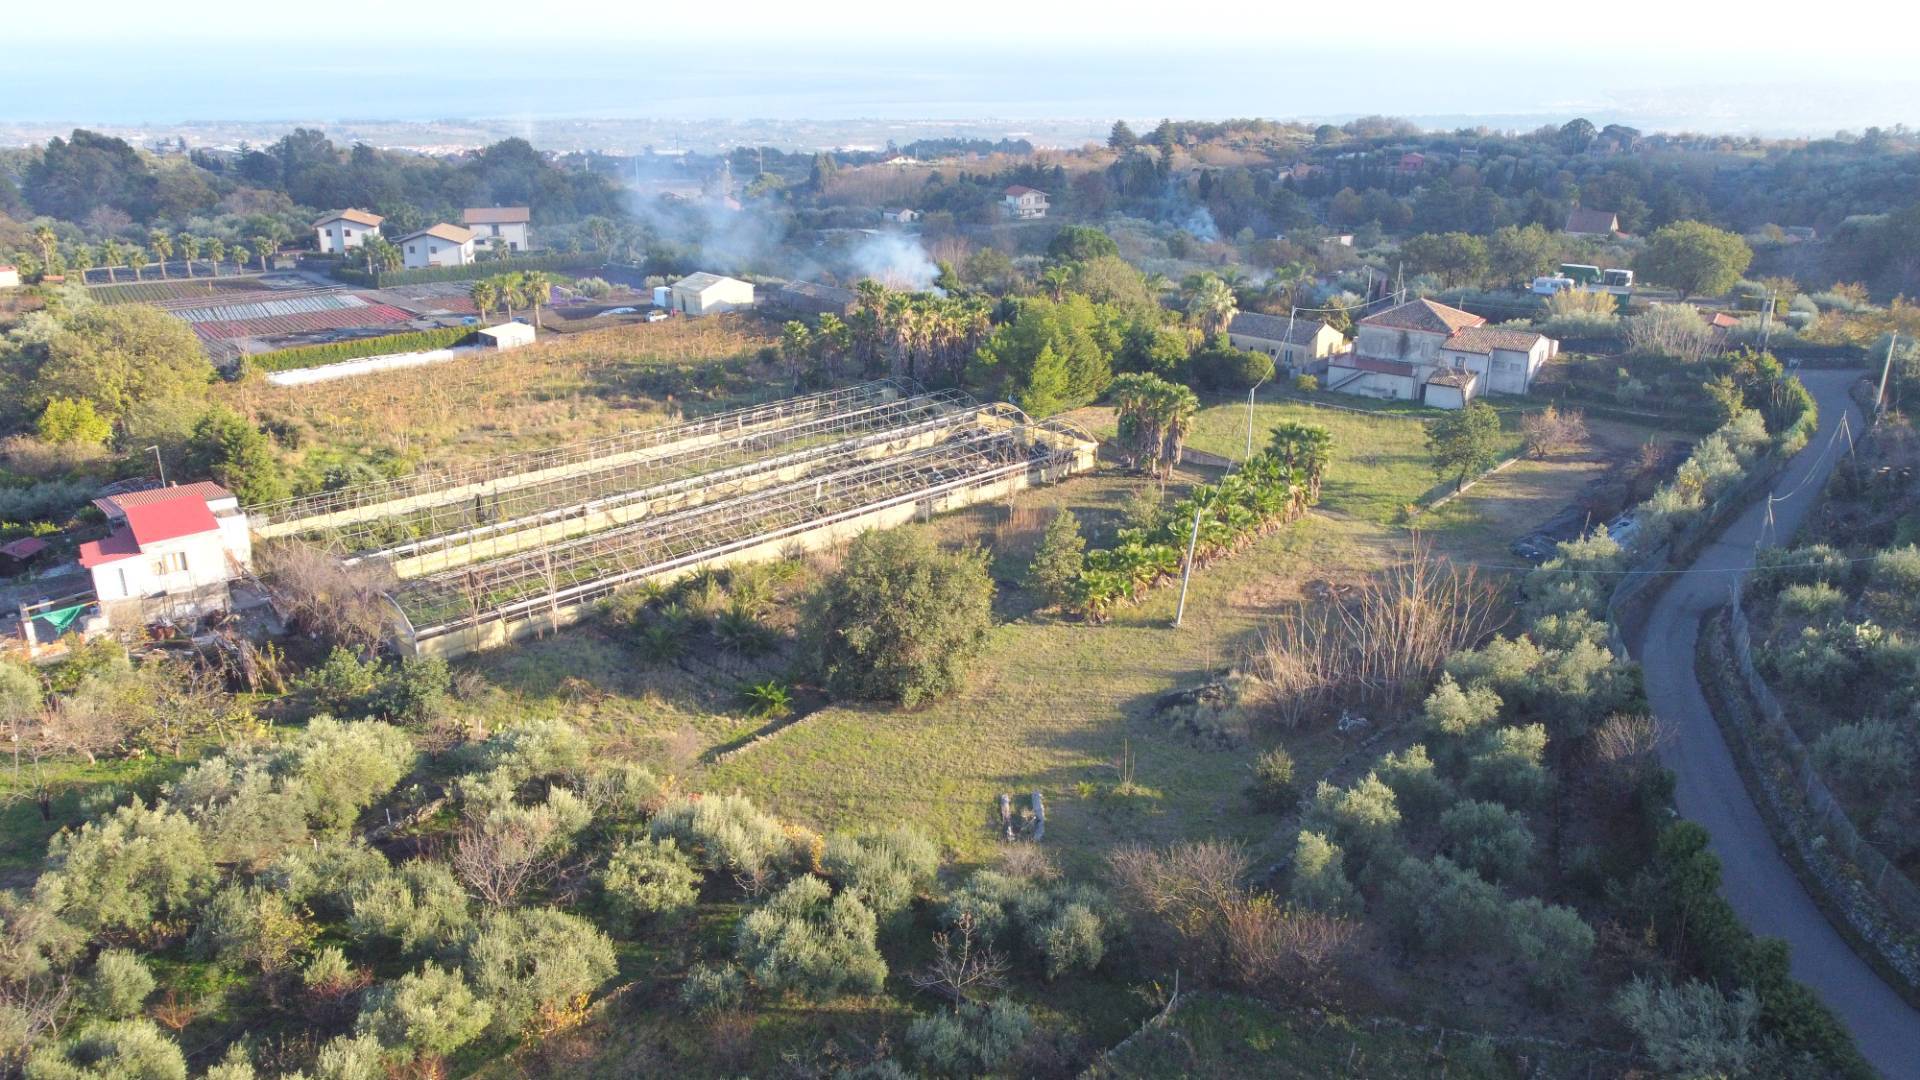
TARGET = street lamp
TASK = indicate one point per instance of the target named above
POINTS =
(162, 465)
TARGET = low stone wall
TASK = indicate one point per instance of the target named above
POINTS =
(1878, 903)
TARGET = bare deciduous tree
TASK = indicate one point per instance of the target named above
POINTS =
(501, 856)
(1551, 431)
(321, 596)
(961, 967)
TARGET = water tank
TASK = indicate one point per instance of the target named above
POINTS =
(662, 296)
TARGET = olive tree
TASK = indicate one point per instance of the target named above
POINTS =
(900, 620)
(810, 942)
(535, 965)
(111, 1050)
(649, 877)
(884, 869)
(429, 1011)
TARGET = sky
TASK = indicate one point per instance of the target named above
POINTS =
(1775, 69)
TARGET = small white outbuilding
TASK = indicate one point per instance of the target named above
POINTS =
(510, 335)
(708, 294)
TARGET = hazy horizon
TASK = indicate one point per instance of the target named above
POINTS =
(1507, 86)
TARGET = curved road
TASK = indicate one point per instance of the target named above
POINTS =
(1755, 879)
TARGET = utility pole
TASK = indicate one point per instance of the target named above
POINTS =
(1250, 393)
(1880, 399)
(161, 464)
(1180, 609)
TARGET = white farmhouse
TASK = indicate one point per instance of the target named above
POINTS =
(708, 294)
(1024, 203)
(509, 225)
(900, 215)
(441, 245)
(1399, 350)
(172, 552)
(341, 230)
(9, 276)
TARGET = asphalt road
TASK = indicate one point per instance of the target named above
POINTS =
(1755, 879)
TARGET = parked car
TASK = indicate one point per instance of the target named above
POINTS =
(656, 316)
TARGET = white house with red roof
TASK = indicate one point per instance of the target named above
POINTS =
(342, 230)
(1397, 352)
(178, 545)
(1024, 203)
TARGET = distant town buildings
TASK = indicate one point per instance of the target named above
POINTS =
(1024, 203)
(438, 245)
(343, 230)
(509, 225)
(709, 294)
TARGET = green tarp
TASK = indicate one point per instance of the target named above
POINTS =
(62, 618)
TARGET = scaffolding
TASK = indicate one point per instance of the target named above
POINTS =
(454, 611)
(323, 515)
(527, 542)
(549, 513)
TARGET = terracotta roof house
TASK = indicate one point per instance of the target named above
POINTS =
(509, 225)
(1584, 222)
(1024, 203)
(340, 230)
(437, 245)
(1425, 336)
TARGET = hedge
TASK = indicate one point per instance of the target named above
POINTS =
(306, 356)
(473, 271)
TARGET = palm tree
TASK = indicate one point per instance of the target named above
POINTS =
(162, 246)
(484, 297)
(510, 296)
(189, 246)
(82, 260)
(216, 248)
(1056, 279)
(263, 246)
(239, 254)
(1211, 304)
(45, 240)
(136, 258)
(110, 254)
(538, 289)
(1305, 447)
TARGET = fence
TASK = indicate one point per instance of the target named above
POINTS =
(1885, 881)
(473, 271)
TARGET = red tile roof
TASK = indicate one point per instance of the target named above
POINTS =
(204, 490)
(118, 545)
(26, 547)
(1424, 315)
(1368, 363)
(1018, 190)
(358, 217)
(170, 520)
(1485, 339)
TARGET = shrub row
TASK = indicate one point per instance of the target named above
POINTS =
(306, 356)
(1234, 512)
(471, 272)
